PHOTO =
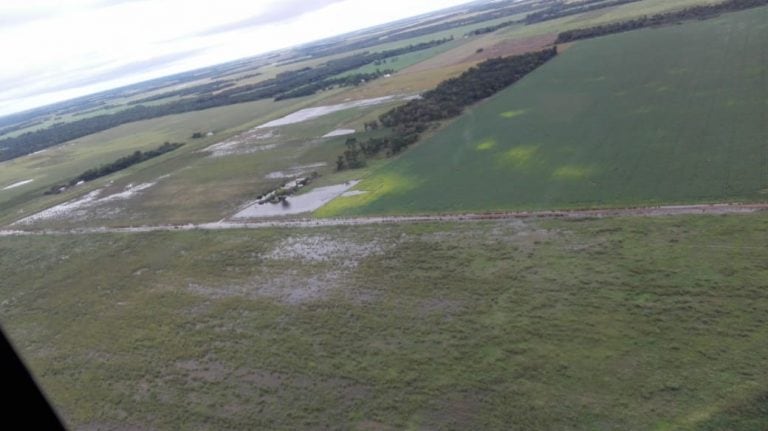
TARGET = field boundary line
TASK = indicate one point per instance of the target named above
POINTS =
(651, 211)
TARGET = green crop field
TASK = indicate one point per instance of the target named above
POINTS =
(602, 125)
(625, 323)
(402, 61)
(294, 323)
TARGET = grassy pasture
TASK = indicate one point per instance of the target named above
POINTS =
(497, 43)
(402, 61)
(190, 186)
(60, 163)
(212, 188)
(602, 16)
(601, 125)
(626, 323)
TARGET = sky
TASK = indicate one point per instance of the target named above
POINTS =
(60, 49)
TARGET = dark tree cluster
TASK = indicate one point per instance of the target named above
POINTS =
(117, 165)
(450, 97)
(447, 100)
(188, 91)
(308, 80)
(92, 110)
(351, 158)
(371, 125)
(562, 9)
(691, 13)
(344, 81)
(492, 28)
(487, 12)
(19, 126)
(285, 82)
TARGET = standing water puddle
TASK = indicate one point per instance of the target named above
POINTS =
(306, 202)
(318, 111)
(339, 132)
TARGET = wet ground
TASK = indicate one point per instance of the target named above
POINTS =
(298, 204)
(319, 111)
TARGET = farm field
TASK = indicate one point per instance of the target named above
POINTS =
(208, 179)
(600, 125)
(58, 164)
(162, 297)
(603, 16)
(190, 195)
(624, 323)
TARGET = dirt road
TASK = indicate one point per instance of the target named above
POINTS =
(671, 210)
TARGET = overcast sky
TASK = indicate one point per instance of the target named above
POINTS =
(59, 49)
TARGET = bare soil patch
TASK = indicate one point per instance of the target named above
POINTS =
(322, 248)
(289, 286)
(509, 47)
(251, 141)
(91, 205)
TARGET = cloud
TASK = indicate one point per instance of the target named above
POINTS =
(20, 17)
(62, 49)
(18, 13)
(88, 76)
(132, 68)
(279, 12)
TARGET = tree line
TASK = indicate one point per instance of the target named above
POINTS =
(691, 13)
(306, 81)
(187, 91)
(283, 84)
(117, 165)
(486, 13)
(447, 100)
(450, 97)
(492, 28)
(558, 10)
(563, 9)
(343, 81)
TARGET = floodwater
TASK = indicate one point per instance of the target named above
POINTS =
(294, 171)
(19, 184)
(339, 132)
(243, 143)
(298, 204)
(82, 207)
(353, 193)
(318, 111)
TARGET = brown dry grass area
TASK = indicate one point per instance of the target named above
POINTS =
(562, 47)
(404, 82)
(513, 47)
(492, 46)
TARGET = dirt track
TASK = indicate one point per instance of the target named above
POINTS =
(710, 209)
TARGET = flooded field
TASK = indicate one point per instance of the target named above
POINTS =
(90, 205)
(303, 203)
(244, 143)
(353, 193)
(19, 184)
(318, 111)
(339, 132)
(294, 171)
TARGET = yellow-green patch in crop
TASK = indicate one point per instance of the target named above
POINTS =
(486, 144)
(573, 172)
(518, 156)
(634, 138)
(514, 113)
(374, 188)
